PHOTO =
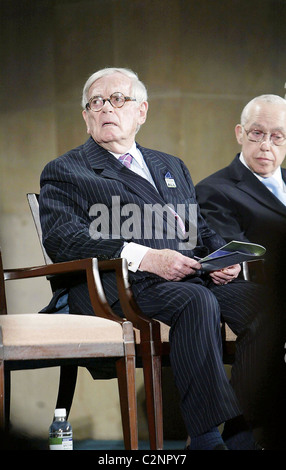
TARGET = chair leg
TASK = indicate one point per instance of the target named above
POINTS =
(2, 396)
(7, 403)
(153, 390)
(68, 376)
(128, 403)
(5, 388)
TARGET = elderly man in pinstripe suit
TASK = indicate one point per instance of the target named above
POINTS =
(90, 181)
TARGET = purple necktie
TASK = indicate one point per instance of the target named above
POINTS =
(180, 222)
(126, 159)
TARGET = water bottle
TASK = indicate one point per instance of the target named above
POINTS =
(60, 432)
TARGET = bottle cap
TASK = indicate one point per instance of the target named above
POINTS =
(60, 413)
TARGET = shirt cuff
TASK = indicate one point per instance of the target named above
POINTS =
(133, 253)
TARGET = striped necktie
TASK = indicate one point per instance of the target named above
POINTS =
(272, 184)
(126, 160)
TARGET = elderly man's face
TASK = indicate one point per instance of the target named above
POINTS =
(263, 157)
(114, 128)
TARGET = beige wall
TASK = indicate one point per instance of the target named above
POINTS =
(201, 61)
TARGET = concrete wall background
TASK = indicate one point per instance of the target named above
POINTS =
(201, 61)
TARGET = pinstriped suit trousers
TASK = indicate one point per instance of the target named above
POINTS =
(194, 312)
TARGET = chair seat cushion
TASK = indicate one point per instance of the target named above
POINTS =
(165, 331)
(41, 329)
(229, 334)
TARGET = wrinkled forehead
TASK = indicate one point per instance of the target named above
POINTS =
(105, 86)
(269, 116)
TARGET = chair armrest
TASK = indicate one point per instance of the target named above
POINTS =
(148, 327)
(254, 271)
(88, 265)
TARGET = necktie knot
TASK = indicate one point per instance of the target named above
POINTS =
(126, 159)
(270, 182)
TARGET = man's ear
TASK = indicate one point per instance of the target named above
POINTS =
(143, 112)
(238, 133)
(85, 117)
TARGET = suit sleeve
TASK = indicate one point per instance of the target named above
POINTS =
(219, 212)
(207, 235)
(65, 219)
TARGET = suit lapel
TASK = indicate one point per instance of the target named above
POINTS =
(283, 171)
(251, 185)
(101, 160)
(156, 167)
(159, 171)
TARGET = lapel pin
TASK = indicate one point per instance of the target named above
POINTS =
(170, 182)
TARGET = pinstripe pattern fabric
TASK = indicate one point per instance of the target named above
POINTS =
(194, 312)
(70, 186)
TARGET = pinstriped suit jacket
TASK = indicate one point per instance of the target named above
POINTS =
(73, 183)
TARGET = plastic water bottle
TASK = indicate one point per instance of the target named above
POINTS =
(60, 432)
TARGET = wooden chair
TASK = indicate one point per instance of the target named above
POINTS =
(37, 340)
(151, 337)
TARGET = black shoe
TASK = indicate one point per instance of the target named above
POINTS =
(243, 441)
(220, 447)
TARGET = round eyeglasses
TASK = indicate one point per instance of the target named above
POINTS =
(256, 135)
(117, 100)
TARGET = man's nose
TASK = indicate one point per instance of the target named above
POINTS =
(266, 142)
(107, 106)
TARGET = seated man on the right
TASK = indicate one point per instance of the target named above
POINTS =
(236, 200)
(246, 201)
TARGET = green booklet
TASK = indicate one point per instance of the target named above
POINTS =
(234, 252)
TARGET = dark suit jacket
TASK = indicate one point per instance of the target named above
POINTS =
(88, 175)
(239, 207)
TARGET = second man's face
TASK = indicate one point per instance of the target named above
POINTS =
(263, 157)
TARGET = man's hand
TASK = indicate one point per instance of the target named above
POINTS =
(169, 264)
(173, 266)
(225, 275)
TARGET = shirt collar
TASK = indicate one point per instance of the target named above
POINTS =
(134, 151)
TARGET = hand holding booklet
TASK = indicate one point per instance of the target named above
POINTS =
(234, 252)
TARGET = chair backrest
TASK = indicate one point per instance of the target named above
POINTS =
(33, 200)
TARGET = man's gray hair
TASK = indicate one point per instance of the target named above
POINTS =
(275, 99)
(138, 90)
